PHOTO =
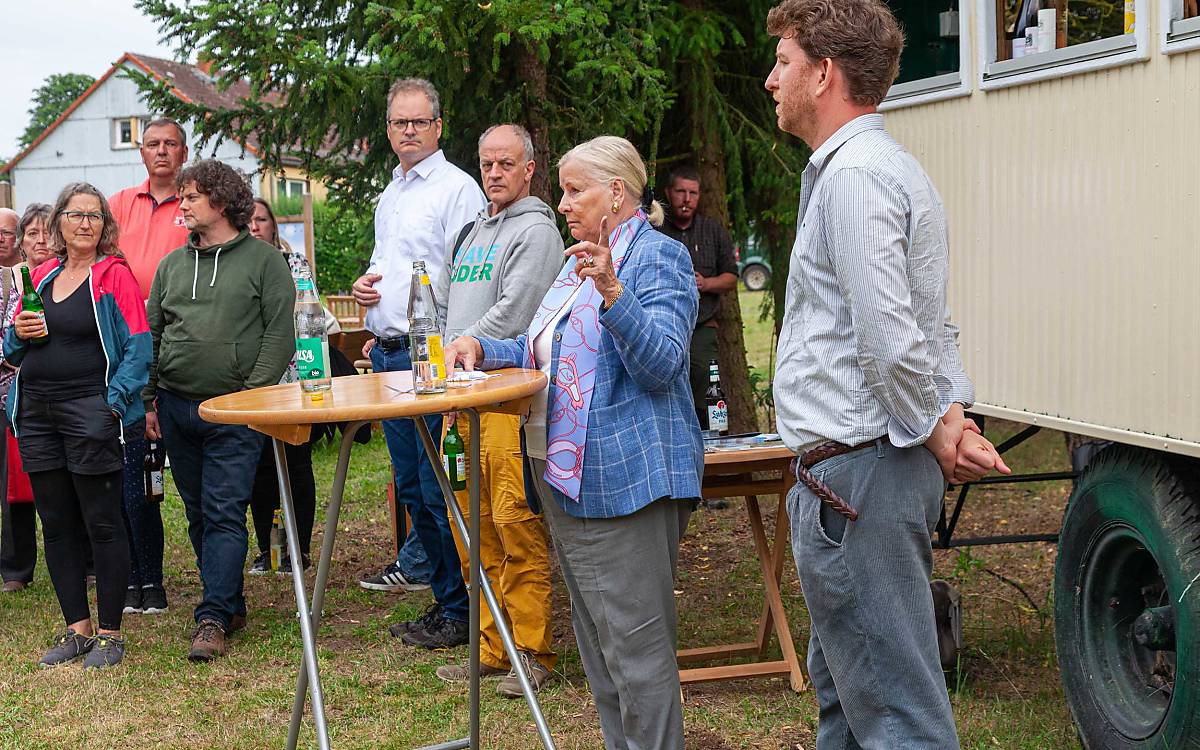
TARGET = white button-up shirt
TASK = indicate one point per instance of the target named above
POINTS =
(418, 213)
(867, 348)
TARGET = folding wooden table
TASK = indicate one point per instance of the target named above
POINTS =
(728, 474)
(287, 414)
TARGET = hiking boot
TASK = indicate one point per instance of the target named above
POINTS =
(261, 565)
(154, 600)
(133, 601)
(107, 651)
(391, 579)
(285, 565)
(442, 633)
(11, 586)
(67, 648)
(538, 675)
(462, 672)
(208, 641)
(431, 615)
(236, 623)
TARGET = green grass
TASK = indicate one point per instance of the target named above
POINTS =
(382, 695)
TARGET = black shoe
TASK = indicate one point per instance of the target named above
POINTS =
(107, 651)
(154, 600)
(717, 504)
(441, 634)
(285, 565)
(67, 648)
(391, 578)
(261, 565)
(428, 618)
(133, 601)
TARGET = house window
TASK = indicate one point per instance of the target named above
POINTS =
(1181, 25)
(285, 188)
(932, 59)
(1053, 37)
(126, 132)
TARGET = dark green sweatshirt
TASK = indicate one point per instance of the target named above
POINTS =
(220, 318)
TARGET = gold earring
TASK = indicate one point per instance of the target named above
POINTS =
(616, 206)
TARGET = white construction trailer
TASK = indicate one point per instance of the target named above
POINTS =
(1064, 137)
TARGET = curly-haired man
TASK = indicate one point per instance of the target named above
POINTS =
(220, 311)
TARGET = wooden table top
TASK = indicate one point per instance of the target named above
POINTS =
(380, 395)
(743, 455)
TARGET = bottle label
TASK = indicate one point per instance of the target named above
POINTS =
(304, 284)
(428, 349)
(312, 356)
(156, 482)
(424, 279)
(718, 416)
(459, 470)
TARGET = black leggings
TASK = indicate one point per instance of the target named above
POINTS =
(69, 503)
(264, 499)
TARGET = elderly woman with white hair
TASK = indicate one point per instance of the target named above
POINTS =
(614, 452)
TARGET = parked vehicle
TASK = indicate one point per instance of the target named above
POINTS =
(754, 270)
(1069, 171)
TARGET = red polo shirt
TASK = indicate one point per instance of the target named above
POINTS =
(149, 230)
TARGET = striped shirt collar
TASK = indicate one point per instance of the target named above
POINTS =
(860, 124)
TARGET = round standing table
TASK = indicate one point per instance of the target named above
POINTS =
(287, 414)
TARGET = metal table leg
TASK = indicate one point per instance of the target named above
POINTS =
(310, 619)
(479, 583)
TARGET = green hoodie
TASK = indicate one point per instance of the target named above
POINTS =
(220, 318)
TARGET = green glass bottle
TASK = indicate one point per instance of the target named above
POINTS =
(32, 301)
(454, 458)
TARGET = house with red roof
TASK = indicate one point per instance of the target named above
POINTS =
(96, 139)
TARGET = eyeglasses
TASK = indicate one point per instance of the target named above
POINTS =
(420, 125)
(77, 217)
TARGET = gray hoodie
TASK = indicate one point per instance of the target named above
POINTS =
(502, 271)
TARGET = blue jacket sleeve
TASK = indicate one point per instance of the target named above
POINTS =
(652, 321)
(500, 353)
(129, 318)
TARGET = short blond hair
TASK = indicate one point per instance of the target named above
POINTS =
(609, 157)
(861, 36)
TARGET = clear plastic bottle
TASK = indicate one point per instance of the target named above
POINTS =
(312, 342)
(277, 540)
(425, 335)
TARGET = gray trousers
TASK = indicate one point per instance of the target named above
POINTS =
(873, 656)
(620, 573)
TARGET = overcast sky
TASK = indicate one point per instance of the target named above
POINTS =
(41, 37)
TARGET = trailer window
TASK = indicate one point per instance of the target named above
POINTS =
(1181, 29)
(1037, 39)
(932, 62)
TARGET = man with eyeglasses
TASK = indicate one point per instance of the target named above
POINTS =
(10, 254)
(151, 227)
(428, 201)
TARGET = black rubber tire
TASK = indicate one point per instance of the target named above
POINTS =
(1130, 540)
(756, 277)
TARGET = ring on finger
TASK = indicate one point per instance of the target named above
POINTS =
(587, 261)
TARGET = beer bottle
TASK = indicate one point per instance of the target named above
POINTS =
(153, 466)
(32, 301)
(714, 398)
(454, 458)
(424, 335)
(277, 541)
(312, 342)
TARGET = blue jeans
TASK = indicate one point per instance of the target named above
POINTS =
(412, 560)
(213, 466)
(873, 656)
(418, 489)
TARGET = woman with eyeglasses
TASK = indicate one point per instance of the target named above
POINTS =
(83, 366)
(18, 526)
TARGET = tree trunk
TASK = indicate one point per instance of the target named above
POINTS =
(707, 144)
(532, 72)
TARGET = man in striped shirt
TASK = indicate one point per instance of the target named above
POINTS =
(869, 373)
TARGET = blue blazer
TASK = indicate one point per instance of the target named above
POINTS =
(643, 442)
